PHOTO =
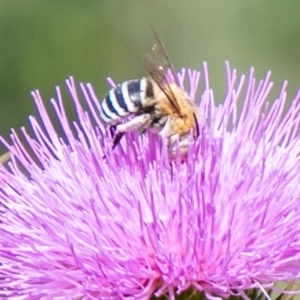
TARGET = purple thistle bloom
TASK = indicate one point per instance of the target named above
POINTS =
(76, 226)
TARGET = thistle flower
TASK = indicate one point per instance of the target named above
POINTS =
(134, 225)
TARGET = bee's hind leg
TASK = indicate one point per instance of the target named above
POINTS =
(117, 138)
(112, 130)
(140, 121)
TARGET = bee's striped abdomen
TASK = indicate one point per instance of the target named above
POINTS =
(126, 98)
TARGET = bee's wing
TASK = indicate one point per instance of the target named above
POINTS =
(162, 57)
(158, 64)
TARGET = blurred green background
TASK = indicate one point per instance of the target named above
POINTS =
(44, 42)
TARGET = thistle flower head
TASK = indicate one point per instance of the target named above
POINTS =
(76, 226)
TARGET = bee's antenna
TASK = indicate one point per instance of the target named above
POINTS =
(197, 125)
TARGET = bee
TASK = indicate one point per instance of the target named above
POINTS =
(154, 103)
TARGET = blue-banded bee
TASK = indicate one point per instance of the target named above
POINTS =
(154, 103)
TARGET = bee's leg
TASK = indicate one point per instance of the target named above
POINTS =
(112, 130)
(117, 139)
(136, 122)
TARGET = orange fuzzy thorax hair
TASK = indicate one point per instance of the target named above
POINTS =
(179, 123)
